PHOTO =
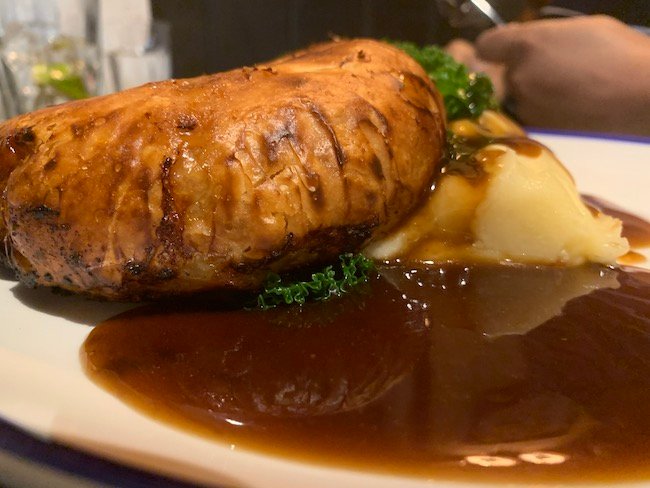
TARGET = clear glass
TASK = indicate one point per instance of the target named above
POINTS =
(133, 67)
(49, 53)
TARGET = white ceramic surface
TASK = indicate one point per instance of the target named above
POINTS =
(44, 390)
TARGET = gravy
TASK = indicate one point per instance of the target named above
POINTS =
(488, 373)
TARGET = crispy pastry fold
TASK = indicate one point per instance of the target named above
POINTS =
(208, 183)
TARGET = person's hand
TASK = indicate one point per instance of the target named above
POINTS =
(587, 73)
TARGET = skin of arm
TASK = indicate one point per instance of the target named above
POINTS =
(584, 73)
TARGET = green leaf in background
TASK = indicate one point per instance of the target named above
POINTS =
(466, 95)
(62, 78)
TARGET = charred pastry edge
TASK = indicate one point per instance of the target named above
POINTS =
(139, 279)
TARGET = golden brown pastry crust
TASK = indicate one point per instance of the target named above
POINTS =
(211, 182)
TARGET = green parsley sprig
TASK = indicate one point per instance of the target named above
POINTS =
(354, 269)
(466, 94)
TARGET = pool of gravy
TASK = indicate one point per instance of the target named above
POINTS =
(484, 373)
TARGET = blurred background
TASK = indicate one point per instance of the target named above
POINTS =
(52, 51)
(213, 35)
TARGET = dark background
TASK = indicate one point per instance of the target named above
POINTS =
(214, 35)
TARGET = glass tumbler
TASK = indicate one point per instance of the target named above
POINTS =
(48, 53)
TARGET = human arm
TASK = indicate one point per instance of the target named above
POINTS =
(585, 73)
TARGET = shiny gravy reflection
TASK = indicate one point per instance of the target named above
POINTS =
(486, 373)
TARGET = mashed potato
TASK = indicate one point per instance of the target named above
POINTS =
(511, 200)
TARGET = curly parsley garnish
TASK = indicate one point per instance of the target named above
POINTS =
(354, 269)
(466, 94)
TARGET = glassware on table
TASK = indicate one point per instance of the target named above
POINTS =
(48, 53)
(152, 62)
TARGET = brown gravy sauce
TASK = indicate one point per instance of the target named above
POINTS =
(472, 155)
(487, 373)
(631, 258)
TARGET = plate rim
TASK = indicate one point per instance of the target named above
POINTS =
(87, 467)
(70, 462)
(604, 136)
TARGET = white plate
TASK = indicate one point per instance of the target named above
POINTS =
(44, 391)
